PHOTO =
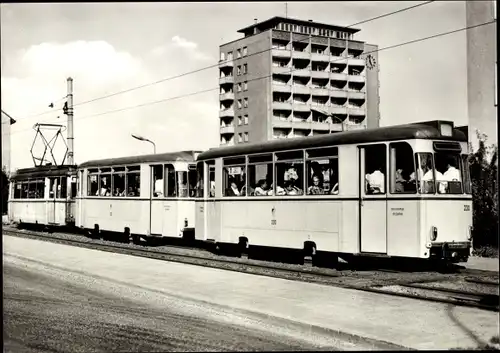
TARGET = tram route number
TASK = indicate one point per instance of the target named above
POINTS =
(466, 208)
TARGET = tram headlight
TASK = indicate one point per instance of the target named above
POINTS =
(434, 233)
(469, 236)
(186, 223)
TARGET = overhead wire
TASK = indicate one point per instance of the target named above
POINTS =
(218, 63)
(268, 76)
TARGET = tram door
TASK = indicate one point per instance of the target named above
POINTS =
(51, 204)
(373, 198)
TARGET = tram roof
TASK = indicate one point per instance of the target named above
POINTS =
(423, 130)
(187, 156)
(42, 171)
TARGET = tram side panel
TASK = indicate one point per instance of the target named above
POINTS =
(403, 228)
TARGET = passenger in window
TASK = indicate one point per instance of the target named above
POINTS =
(233, 189)
(375, 181)
(280, 191)
(452, 173)
(130, 191)
(262, 188)
(315, 188)
(118, 192)
(400, 181)
(291, 173)
(212, 188)
(335, 189)
(291, 189)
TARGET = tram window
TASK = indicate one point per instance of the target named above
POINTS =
(192, 180)
(323, 176)
(200, 179)
(24, 190)
(170, 173)
(118, 184)
(40, 188)
(260, 179)
(290, 173)
(375, 169)
(158, 180)
(74, 186)
(182, 188)
(425, 173)
(466, 174)
(234, 180)
(105, 185)
(18, 190)
(450, 171)
(211, 180)
(62, 188)
(92, 185)
(133, 182)
(402, 166)
(31, 189)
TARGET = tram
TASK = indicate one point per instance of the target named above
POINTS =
(393, 192)
(144, 197)
(39, 196)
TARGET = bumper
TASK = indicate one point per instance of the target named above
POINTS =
(453, 252)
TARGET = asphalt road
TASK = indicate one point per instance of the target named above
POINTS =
(55, 310)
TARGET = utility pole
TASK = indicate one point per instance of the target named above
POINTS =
(69, 112)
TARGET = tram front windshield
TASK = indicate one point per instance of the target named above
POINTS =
(441, 172)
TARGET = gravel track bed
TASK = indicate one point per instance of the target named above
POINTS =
(343, 278)
(461, 284)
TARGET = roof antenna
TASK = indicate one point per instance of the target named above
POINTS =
(254, 20)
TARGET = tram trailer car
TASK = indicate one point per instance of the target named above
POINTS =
(377, 192)
(144, 197)
(38, 196)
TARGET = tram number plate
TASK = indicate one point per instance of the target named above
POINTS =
(273, 222)
(466, 208)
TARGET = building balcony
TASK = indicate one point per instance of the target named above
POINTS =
(320, 57)
(301, 55)
(226, 63)
(320, 74)
(229, 129)
(336, 127)
(282, 88)
(338, 110)
(226, 113)
(301, 107)
(226, 80)
(338, 93)
(357, 111)
(281, 53)
(282, 70)
(354, 126)
(320, 91)
(227, 143)
(356, 62)
(229, 96)
(356, 95)
(338, 77)
(357, 78)
(302, 125)
(302, 72)
(320, 126)
(338, 60)
(282, 105)
(283, 124)
(298, 89)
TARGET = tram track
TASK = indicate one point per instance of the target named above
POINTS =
(406, 287)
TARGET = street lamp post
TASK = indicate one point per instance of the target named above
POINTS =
(140, 138)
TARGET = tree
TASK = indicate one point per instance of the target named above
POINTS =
(484, 179)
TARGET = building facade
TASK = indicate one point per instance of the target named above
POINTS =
(482, 71)
(7, 121)
(290, 78)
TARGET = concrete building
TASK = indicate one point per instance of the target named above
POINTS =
(7, 121)
(482, 70)
(288, 78)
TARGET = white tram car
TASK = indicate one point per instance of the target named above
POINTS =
(148, 196)
(39, 196)
(400, 191)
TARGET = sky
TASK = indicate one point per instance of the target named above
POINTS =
(111, 47)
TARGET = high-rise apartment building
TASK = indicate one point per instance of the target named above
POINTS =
(482, 70)
(288, 78)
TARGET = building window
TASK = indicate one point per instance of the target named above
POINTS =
(246, 136)
(245, 117)
(239, 87)
(245, 69)
(245, 85)
(239, 103)
(245, 51)
(222, 56)
(238, 70)
(238, 53)
(245, 102)
(239, 120)
(230, 55)
(240, 137)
